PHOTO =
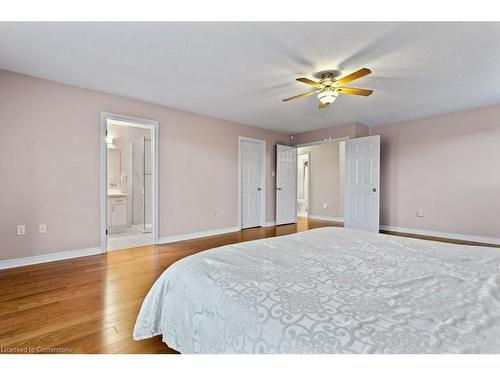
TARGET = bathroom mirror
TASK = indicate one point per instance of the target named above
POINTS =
(114, 168)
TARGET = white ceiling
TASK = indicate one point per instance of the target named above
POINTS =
(241, 71)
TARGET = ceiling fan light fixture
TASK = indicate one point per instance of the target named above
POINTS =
(327, 97)
(329, 88)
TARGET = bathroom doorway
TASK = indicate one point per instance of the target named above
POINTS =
(129, 196)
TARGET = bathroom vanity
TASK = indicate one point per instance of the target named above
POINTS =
(117, 211)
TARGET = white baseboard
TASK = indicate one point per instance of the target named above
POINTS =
(191, 236)
(433, 233)
(52, 257)
(327, 218)
(269, 224)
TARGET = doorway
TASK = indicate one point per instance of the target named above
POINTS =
(129, 215)
(252, 183)
(302, 184)
(320, 181)
(344, 181)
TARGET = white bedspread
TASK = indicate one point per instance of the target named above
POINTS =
(329, 290)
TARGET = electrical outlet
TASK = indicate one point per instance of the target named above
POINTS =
(21, 230)
(420, 213)
(42, 228)
(325, 205)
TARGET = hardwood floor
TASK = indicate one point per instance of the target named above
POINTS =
(89, 305)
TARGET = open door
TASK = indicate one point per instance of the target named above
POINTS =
(362, 183)
(286, 184)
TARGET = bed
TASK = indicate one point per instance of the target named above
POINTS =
(329, 290)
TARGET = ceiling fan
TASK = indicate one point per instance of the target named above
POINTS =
(330, 88)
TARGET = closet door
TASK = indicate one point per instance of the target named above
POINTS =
(251, 184)
(362, 183)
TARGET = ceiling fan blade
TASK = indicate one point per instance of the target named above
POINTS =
(307, 81)
(351, 77)
(353, 91)
(322, 105)
(301, 95)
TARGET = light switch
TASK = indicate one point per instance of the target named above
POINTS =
(420, 212)
(273, 173)
(42, 228)
(21, 230)
(325, 205)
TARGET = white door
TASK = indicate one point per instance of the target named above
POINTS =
(251, 184)
(362, 179)
(286, 184)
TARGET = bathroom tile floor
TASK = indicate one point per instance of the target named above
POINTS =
(131, 237)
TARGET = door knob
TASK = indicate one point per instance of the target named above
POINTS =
(374, 190)
(259, 189)
(278, 188)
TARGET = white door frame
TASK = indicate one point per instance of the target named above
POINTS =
(263, 174)
(137, 122)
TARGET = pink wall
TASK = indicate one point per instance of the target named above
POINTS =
(449, 166)
(446, 165)
(49, 166)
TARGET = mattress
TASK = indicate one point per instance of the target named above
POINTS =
(328, 290)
